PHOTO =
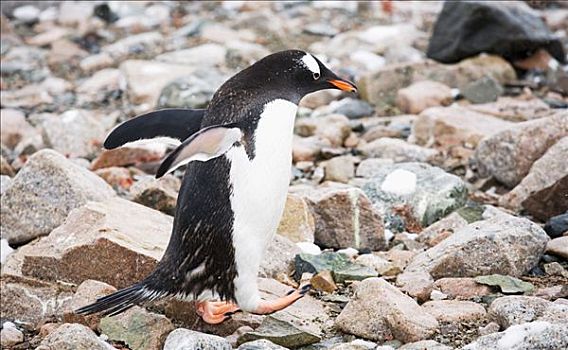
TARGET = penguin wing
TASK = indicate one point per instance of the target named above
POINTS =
(208, 143)
(175, 123)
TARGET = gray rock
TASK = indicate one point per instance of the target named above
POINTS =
(509, 154)
(278, 258)
(352, 108)
(138, 328)
(345, 218)
(370, 167)
(192, 91)
(241, 54)
(483, 90)
(512, 310)
(428, 192)
(185, 339)
(116, 241)
(342, 268)
(528, 336)
(542, 193)
(45, 190)
(507, 284)
(398, 150)
(131, 45)
(379, 311)
(261, 344)
(503, 244)
(72, 336)
(75, 133)
(280, 332)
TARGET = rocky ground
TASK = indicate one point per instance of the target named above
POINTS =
(416, 209)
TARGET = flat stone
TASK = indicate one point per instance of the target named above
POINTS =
(30, 96)
(31, 301)
(503, 244)
(323, 281)
(281, 333)
(138, 328)
(417, 284)
(453, 311)
(558, 246)
(116, 241)
(182, 338)
(45, 190)
(542, 193)
(297, 223)
(454, 126)
(87, 292)
(509, 154)
(461, 287)
(421, 95)
(442, 229)
(507, 284)
(381, 312)
(339, 264)
(482, 90)
(207, 54)
(432, 195)
(514, 109)
(526, 336)
(344, 218)
(425, 345)
(75, 133)
(352, 108)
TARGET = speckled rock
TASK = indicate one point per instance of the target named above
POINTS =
(542, 193)
(345, 218)
(160, 194)
(42, 194)
(461, 287)
(503, 244)
(10, 335)
(455, 125)
(453, 311)
(527, 336)
(138, 328)
(280, 332)
(278, 258)
(261, 344)
(442, 229)
(421, 95)
(381, 312)
(340, 265)
(514, 109)
(512, 310)
(124, 156)
(115, 241)
(72, 336)
(182, 338)
(425, 345)
(297, 223)
(398, 150)
(432, 195)
(509, 154)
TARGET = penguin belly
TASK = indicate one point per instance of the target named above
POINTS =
(259, 189)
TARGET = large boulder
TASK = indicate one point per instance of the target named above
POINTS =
(509, 29)
(503, 244)
(44, 192)
(379, 311)
(509, 154)
(116, 241)
(415, 191)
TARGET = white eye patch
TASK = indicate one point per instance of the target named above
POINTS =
(310, 62)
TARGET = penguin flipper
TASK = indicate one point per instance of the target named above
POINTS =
(206, 144)
(174, 123)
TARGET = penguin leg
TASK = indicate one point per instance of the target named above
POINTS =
(266, 307)
(215, 312)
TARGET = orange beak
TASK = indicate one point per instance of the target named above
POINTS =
(343, 85)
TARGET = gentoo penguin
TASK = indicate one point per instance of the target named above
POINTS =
(239, 153)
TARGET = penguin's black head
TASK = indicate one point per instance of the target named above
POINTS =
(297, 73)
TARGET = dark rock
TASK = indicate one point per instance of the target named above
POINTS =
(339, 264)
(511, 30)
(556, 226)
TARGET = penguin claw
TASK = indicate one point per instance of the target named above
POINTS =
(305, 289)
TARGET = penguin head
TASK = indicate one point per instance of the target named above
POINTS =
(297, 73)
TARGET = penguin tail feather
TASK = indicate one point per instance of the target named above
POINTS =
(119, 301)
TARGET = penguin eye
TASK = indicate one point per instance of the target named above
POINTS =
(316, 75)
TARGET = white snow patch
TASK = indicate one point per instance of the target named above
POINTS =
(309, 248)
(388, 235)
(400, 182)
(5, 250)
(516, 334)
